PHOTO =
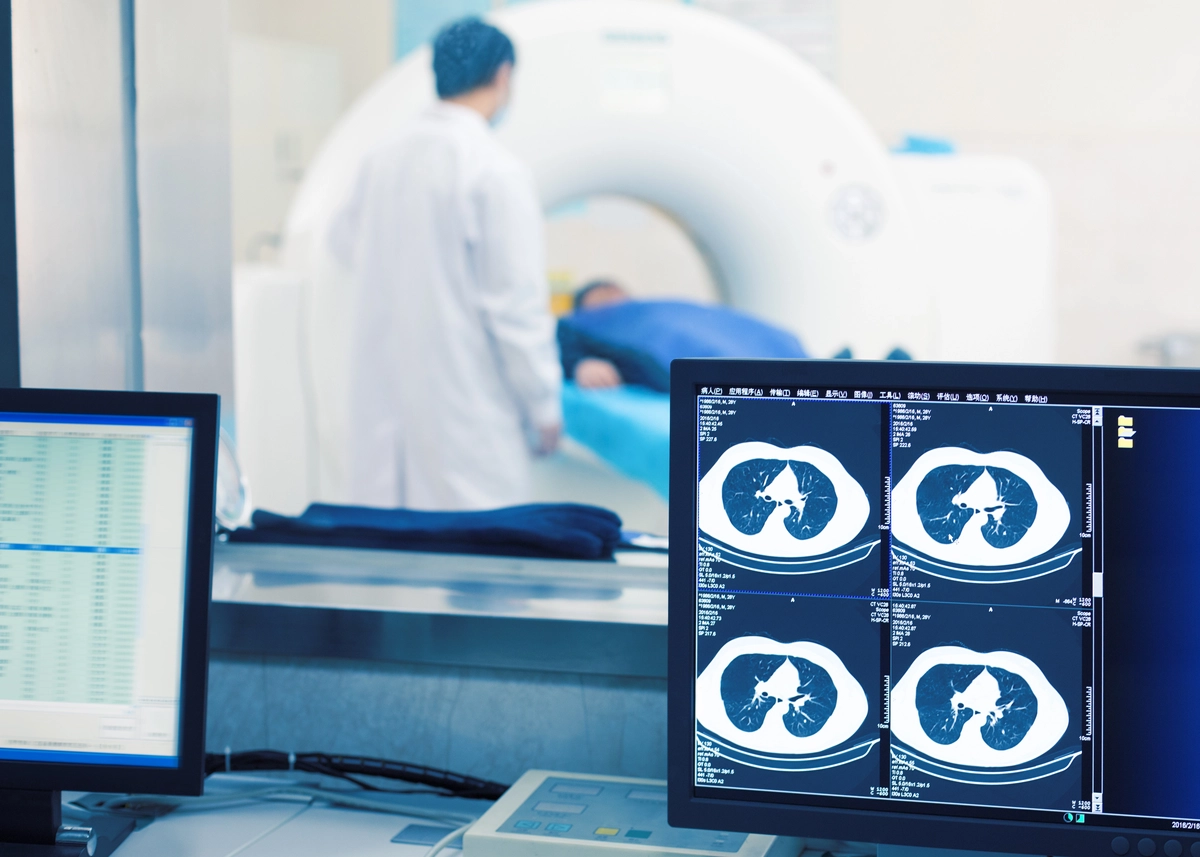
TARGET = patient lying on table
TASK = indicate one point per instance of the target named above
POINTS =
(611, 338)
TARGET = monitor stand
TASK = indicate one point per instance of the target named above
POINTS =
(914, 851)
(31, 826)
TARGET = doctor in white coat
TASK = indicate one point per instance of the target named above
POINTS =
(456, 378)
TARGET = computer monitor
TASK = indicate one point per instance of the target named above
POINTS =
(106, 528)
(936, 605)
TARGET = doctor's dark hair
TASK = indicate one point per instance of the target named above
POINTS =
(467, 53)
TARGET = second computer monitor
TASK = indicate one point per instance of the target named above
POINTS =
(937, 605)
(106, 524)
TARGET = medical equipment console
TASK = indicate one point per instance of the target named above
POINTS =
(936, 605)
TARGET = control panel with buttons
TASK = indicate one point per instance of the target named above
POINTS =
(547, 813)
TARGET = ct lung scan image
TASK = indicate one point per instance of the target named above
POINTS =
(977, 709)
(781, 698)
(971, 509)
(781, 502)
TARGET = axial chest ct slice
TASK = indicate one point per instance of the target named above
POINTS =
(946, 694)
(980, 709)
(978, 509)
(753, 490)
(950, 496)
(781, 502)
(783, 698)
(753, 685)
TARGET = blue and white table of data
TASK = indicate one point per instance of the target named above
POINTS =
(92, 548)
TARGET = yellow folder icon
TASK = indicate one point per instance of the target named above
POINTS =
(1125, 443)
(1125, 421)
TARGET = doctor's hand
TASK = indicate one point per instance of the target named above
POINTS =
(591, 373)
(547, 438)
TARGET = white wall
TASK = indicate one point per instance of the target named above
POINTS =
(295, 67)
(1101, 96)
(358, 31)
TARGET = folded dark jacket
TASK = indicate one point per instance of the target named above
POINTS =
(551, 530)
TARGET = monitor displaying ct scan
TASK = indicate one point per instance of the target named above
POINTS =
(953, 592)
(93, 559)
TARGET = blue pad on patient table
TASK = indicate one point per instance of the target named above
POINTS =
(641, 338)
(629, 427)
(549, 530)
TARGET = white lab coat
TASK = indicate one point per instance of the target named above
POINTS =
(454, 361)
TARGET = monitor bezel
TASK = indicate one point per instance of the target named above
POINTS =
(187, 778)
(685, 809)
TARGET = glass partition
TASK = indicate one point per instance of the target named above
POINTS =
(1025, 167)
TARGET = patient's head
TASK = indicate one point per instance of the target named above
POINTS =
(600, 293)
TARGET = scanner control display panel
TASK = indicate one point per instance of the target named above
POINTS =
(972, 602)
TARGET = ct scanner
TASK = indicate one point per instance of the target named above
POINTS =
(801, 213)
